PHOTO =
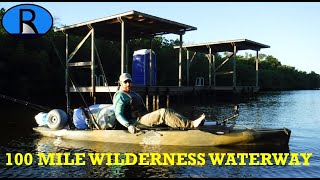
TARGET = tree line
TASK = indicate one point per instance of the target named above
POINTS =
(34, 67)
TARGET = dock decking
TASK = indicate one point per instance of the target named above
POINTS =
(170, 90)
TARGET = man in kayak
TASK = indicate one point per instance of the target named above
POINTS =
(132, 113)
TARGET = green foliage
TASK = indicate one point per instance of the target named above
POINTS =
(2, 31)
(274, 76)
(33, 67)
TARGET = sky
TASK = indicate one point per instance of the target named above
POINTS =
(291, 29)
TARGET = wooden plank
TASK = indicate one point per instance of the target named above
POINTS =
(165, 90)
(80, 64)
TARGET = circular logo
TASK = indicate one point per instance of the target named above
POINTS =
(27, 21)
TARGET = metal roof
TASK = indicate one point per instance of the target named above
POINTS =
(223, 46)
(137, 25)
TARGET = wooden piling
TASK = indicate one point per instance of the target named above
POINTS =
(147, 98)
(153, 103)
(157, 99)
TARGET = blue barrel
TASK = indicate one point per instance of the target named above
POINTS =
(141, 67)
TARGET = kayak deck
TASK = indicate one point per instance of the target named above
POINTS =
(207, 135)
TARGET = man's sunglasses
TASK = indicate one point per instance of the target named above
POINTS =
(127, 81)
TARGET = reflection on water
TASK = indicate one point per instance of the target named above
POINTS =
(296, 110)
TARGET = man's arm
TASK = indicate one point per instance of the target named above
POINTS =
(119, 106)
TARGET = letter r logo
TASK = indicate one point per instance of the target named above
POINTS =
(27, 26)
(27, 21)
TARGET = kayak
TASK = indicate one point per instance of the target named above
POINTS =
(210, 134)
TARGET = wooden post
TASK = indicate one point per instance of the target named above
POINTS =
(153, 103)
(150, 64)
(93, 82)
(168, 101)
(126, 58)
(257, 69)
(188, 59)
(147, 98)
(157, 102)
(147, 102)
(67, 76)
(214, 70)
(210, 65)
(123, 49)
(234, 66)
(180, 60)
(168, 98)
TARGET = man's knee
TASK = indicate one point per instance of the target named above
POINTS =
(162, 110)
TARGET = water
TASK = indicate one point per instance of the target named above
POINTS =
(296, 110)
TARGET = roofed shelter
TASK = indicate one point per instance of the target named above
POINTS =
(120, 27)
(232, 46)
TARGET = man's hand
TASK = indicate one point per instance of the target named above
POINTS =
(132, 129)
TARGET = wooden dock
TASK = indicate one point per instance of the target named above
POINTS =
(163, 96)
(171, 90)
(132, 25)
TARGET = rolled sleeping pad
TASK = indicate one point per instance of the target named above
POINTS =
(79, 120)
(106, 117)
(41, 118)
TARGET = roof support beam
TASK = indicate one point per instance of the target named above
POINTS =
(228, 58)
(194, 54)
(189, 61)
(79, 46)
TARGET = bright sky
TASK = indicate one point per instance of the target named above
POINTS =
(291, 29)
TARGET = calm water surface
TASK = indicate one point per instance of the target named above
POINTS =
(296, 110)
